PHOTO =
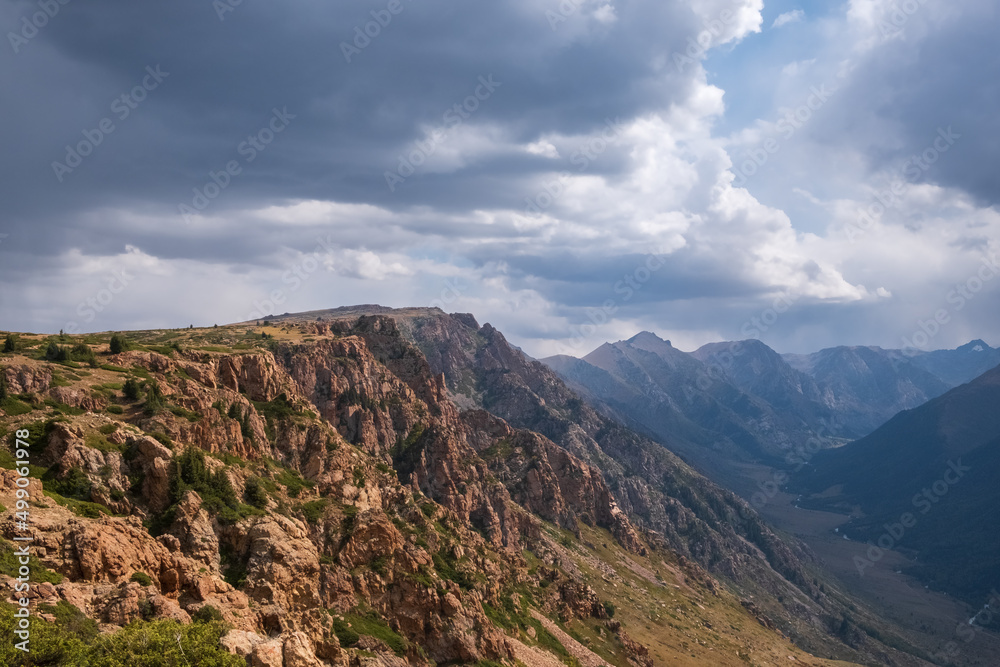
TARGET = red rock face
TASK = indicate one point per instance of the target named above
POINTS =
(400, 481)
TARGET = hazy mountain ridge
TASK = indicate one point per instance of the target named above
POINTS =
(938, 463)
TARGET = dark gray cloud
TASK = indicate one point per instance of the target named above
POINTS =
(661, 184)
(352, 120)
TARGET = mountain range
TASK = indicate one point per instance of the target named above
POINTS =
(733, 402)
(375, 486)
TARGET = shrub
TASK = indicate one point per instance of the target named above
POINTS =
(293, 482)
(141, 578)
(255, 493)
(56, 352)
(609, 609)
(163, 643)
(313, 510)
(207, 614)
(10, 563)
(372, 625)
(189, 472)
(345, 634)
(154, 399)
(72, 619)
(234, 570)
(131, 389)
(82, 352)
(74, 484)
(119, 344)
(11, 343)
(14, 406)
(116, 409)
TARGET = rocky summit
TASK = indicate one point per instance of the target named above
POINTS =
(375, 487)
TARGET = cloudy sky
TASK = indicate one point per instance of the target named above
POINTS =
(809, 173)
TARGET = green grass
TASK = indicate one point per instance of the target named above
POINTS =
(293, 482)
(14, 406)
(82, 508)
(99, 442)
(313, 511)
(355, 624)
(63, 408)
(113, 368)
(190, 415)
(72, 619)
(9, 565)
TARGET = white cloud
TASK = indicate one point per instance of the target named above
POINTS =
(793, 16)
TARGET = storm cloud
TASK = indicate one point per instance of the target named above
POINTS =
(518, 160)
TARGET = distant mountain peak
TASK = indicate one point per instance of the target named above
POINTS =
(977, 345)
(647, 337)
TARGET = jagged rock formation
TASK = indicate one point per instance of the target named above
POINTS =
(324, 495)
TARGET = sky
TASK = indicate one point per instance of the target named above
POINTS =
(808, 173)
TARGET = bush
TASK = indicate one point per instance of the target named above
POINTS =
(207, 614)
(131, 389)
(74, 484)
(55, 352)
(82, 352)
(119, 344)
(189, 472)
(345, 634)
(141, 578)
(11, 343)
(72, 619)
(372, 625)
(609, 609)
(293, 482)
(154, 399)
(313, 511)
(163, 643)
(255, 493)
